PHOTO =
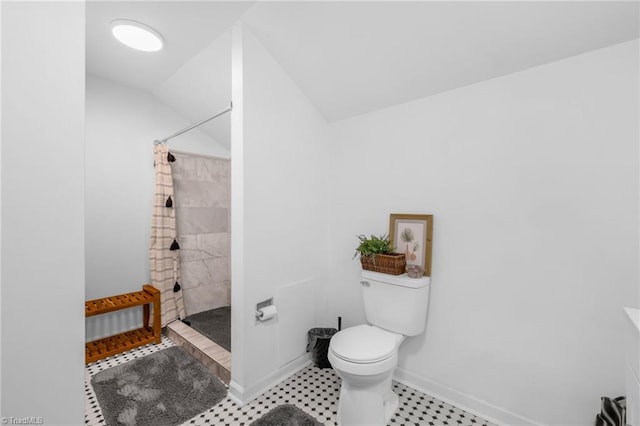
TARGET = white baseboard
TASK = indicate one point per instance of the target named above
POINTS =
(242, 396)
(466, 402)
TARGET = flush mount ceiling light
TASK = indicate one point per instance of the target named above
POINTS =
(136, 35)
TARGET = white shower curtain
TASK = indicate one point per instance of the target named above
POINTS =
(163, 249)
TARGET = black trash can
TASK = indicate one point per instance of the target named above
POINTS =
(318, 341)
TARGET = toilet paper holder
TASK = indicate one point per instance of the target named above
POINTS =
(260, 315)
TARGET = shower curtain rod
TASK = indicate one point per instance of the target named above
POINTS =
(194, 125)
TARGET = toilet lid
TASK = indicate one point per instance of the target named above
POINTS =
(364, 344)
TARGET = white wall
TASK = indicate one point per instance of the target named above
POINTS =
(1, 206)
(279, 225)
(121, 125)
(533, 182)
(42, 211)
(185, 90)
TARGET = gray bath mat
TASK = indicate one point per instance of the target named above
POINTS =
(215, 324)
(286, 415)
(165, 388)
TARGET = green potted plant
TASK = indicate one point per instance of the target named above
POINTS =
(378, 254)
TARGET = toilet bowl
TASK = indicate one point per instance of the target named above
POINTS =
(364, 357)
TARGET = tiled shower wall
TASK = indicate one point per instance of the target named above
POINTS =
(202, 203)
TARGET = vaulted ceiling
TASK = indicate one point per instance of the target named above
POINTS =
(349, 58)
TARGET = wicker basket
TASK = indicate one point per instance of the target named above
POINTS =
(393, 264)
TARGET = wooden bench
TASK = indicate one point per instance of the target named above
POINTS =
(122, 342)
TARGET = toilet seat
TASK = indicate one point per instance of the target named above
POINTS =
(364, 344)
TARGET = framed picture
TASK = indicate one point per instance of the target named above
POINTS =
(411, 234)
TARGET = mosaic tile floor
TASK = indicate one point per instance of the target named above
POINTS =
(312, 389)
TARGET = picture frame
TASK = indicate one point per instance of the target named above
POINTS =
(412, 234)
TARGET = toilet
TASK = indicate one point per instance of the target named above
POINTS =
(365, 356)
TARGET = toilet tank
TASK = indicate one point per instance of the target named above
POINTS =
(395, 302)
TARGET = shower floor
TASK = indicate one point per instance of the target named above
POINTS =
(215, 324)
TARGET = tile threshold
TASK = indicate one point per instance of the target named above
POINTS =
(216, 358)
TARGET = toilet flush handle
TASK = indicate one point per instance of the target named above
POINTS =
(365, 283)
